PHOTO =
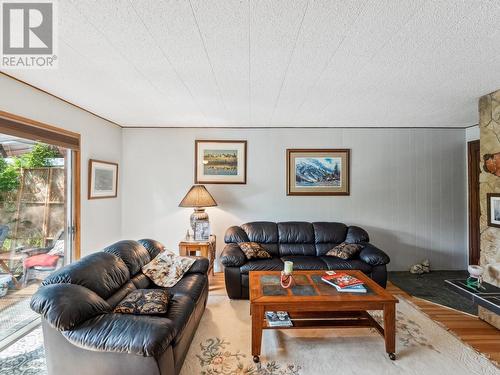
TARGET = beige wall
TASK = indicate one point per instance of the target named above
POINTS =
(100, 218)
(407, 187)
(489, 123)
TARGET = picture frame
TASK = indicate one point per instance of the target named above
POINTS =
(220, 162)
(318, 171)
(493, 203)
(103, 179)
(202, 230)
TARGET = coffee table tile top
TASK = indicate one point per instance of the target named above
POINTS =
(273, 290)
(305, 285)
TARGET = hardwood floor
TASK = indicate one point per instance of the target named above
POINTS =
(470, 329)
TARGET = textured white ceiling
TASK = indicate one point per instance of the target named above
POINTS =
(401, 63)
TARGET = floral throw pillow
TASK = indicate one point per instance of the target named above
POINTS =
(345, 250)
(167, 268)
(144, 301)
(254, 250)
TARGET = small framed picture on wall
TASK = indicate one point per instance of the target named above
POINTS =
(220, 162)
(103, 179)
(493, 201)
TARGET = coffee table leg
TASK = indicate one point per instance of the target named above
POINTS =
(257, 320)
(390, 330)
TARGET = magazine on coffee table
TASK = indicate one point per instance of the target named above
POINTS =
(278, 319)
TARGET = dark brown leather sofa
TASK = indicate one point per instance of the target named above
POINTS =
(83, 336)
(303, 243)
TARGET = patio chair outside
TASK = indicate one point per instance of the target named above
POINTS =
(40, 262)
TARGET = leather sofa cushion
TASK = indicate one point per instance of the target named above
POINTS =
(143, 335)
(141, 281)
(200, 265)
(190, 285)
(179, 311)
(295, 232)
(301, 262)
(261, 232)
(334, 263)
(323, 248)
(271, 248)
(65, 306)
(273, 264)
(329, 232)
(356, 235)
(133, 254)
(287, 249)
(121, 294)
(152, 246)
(235, 235)
(101, 272)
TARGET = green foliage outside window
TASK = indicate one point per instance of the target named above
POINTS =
(40, 156)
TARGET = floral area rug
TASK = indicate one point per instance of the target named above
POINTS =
(25, 357)
(222, 347)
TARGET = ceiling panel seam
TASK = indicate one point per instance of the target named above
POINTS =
(329, 61)
(403, 25)
(115, 48)
(221, 98)
(169, 62)
(292, 53)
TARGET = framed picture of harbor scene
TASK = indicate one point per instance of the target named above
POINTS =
(220, 162)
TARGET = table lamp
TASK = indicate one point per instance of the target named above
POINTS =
(198, 197)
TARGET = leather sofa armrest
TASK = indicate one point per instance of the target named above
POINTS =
(65, 306)
(199, 266)
(232, 256)
(373, 255)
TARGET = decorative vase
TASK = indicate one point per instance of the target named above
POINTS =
(287, 280)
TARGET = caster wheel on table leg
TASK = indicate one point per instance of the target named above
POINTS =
(392, 356)
(256, 359)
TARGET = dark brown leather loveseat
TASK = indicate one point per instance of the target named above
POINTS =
(83, 336)
(303, 243)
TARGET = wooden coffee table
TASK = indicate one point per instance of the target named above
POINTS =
(312, 303)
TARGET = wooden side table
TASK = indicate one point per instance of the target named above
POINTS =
(205, 248)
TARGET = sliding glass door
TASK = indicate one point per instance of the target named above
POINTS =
(37, 225)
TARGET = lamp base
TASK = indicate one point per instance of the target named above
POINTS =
(199, 214)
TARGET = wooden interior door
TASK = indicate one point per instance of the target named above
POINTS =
(474, 158)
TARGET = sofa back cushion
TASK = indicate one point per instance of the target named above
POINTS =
(152, 246)
(296, 237)
(264, 233)
(261, 232)
(133, 254)
(328, 235)
(103, 273)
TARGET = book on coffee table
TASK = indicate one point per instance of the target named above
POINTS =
(344, 283)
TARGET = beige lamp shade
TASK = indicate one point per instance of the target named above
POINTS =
(198, 196)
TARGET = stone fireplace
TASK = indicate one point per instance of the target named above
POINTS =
(489, 125)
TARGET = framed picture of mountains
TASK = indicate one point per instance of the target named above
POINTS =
(317, 171)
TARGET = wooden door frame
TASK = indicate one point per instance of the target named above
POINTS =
(473, 204)
(23, 127)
